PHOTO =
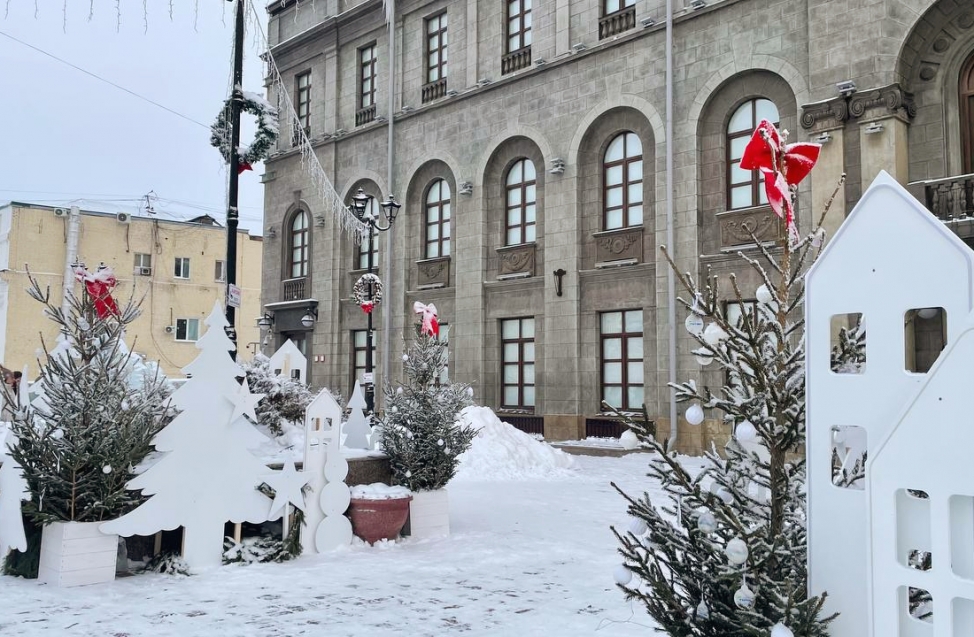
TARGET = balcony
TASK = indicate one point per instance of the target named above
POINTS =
(294, 289)
(950, 199)
(365, 115)
(434, 90)
(616, 23)
(516, 60)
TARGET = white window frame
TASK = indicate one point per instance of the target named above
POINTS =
(186, 324)
(181, 268)
(220, 271)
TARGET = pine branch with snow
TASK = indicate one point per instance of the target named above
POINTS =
(285, 399)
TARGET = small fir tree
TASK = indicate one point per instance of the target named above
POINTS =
(419, 429)
(285, 399)
(724, 554)
(78, 444)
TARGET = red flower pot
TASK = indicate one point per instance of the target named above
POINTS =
(382, 519)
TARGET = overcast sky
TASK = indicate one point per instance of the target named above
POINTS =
(65, 135)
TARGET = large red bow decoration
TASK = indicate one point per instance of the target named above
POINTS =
(431, 323)
(783, 166)
(99, 285)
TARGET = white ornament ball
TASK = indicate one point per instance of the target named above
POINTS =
(714, 334)
(744, 597)
(745, 432)
(637, 526)
(702, 611)
(470, 391)
(629, 440)
(694, 414)
(409, 474)
(106, 469)
(694, 324)
(780, 630)
(622, 575)
(57, 434)
(725, 495)
(763, 295)
(439, 442)
(707, 523)
(704, 359)
(736, 551)
(405, 357)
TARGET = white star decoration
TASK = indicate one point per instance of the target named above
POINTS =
(244, 403)
(287, 484)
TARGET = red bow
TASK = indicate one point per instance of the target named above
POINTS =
(367, 307)
(242, 166)
(783, 165)
(431, 323)
(99, 286)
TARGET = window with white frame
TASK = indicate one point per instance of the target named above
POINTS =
(187, 329)
(621, 335)
(142, 264)
(220, 271)
(181, 269)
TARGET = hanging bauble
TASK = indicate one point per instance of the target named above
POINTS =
(638, 526)
(736, 551)
(702, 611)
(763, 295)
(267, 131)
(745, 432)
(714, 334)
(707, 523)
(744, 597)
(629, 440)
(622, 575)
(694, 414)
(703, 356)
(725, 495)
(367, 292)
(694, 324)
(780, 630)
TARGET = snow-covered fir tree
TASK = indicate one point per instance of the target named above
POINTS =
(419, 429)
(723, 554)
(99, 406)
(285, 399)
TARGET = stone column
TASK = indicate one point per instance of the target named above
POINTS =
(472, 42)
(469, 254)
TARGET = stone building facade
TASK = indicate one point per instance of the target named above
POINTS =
(532, 134)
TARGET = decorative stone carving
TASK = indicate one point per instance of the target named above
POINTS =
(557, 166)
(619, 245)
(736, 226)
(892, 98)
(832, 112)
(466, 187)
(517, 259)
(434, 272)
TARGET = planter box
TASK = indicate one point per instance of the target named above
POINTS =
(77, 554)
(429, 514)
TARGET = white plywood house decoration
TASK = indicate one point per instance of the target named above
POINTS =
(921, 500)
(288, 361)
(890, 258)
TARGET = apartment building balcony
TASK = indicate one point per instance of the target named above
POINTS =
(294, 289)
(516, 60)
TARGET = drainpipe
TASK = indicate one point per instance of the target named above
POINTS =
(71, 257)
(670, 243)
(391, 304)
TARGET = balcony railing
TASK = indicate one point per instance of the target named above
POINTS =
(293, 289)
(434, 90)
(616, 23)
(296, 133)
(365, 115)
(516, 60)
(949, 199)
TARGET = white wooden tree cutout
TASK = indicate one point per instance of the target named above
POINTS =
(207, 476)
(357, 430)
(13, 491)
(326, 526)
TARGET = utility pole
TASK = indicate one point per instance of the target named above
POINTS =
(233, 215)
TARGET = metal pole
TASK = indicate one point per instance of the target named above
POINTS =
(391, 305)
(234, 163)
(369, 380)
(71, 257)
(670, 243)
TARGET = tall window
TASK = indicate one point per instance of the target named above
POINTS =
(358, 356)
(220, 271)
(518, 24)
(436, 40)
(622, 359)
(623, 182)
(187, 329)
(611, 6)
(521, 203)
(181, 268)
(362, 254)
(367, 76)
(303, 103)
(967, 113)
(517, 363)
(298, 245)
(438, 220)
(745, 188)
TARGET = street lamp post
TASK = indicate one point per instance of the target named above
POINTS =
(360, 206)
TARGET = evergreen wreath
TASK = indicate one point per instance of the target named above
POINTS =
(267, 129)
(361, 292)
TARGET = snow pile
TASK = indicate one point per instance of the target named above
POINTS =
(502, 452)
(378, 491)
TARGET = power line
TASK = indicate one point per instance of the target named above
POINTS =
(109, 82)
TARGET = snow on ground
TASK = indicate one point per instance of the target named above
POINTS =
(530, 554)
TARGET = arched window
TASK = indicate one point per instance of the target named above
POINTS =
(362, 253)
(298, 244)
(745, 188)
(438, 220)
(967, 113)
(623, 182)
(521, 186)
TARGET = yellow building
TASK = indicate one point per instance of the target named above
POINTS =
(177, 268)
